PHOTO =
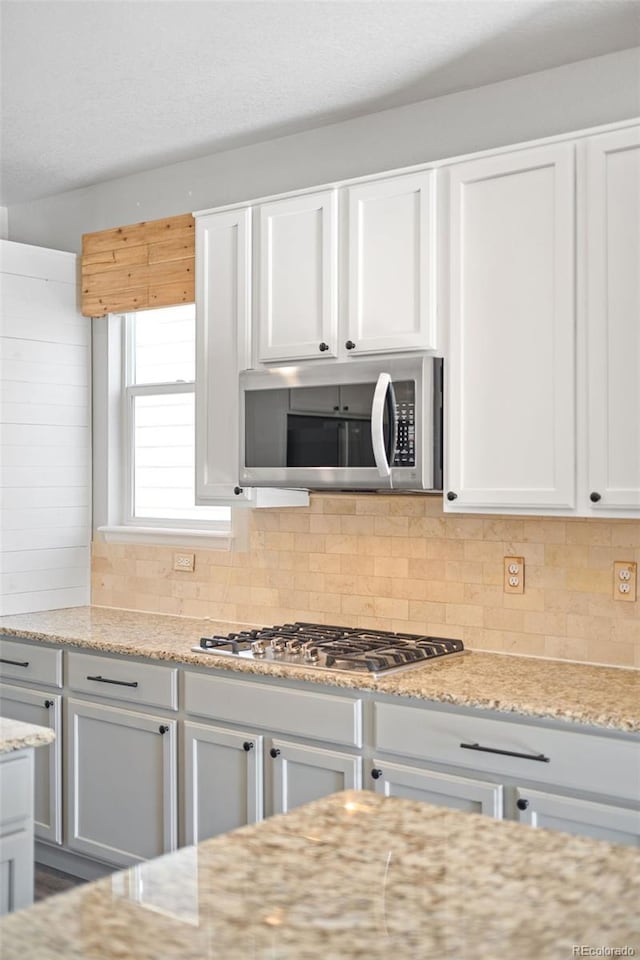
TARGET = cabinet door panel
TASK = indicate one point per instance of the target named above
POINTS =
(300, 774)
(581, 817)
(298, 277)
(122, 783)
(511, 374)
(223, 318)
(442, 789)
(391, 264)
(223, 780)
(29, 706)
(613, 318)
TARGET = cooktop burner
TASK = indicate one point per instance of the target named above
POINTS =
(327, 647)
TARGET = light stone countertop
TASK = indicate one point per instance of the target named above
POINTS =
(554, 689)
(15, 735)
(351, 876)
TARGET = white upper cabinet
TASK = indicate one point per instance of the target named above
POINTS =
(511, 372)
(391, 282)
(298, 277)
(613, 319)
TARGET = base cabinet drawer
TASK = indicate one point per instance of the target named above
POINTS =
(441, 789)
(123, 679)
(519, 751)
(31, 662)
(583, 817)
(121, 797)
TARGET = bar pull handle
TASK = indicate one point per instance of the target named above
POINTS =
(15, 663)
(119, 683)
(506, 753)
(383, 398)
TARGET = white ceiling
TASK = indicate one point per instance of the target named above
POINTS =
(94, 89)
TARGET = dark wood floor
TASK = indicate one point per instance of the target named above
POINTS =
(49, 881)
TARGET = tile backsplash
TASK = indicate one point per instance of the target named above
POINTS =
(399, 563)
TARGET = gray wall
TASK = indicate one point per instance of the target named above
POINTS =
(578, 95)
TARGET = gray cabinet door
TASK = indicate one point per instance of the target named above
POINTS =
(442, 789)
(223, 780)
(122, 783)
(299, 774)
(36, 706)
(582, 817)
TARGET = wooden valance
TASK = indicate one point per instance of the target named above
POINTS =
(144, 265)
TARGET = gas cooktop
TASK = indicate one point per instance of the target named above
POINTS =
(324, 647)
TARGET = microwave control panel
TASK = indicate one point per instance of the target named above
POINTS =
(406, 433)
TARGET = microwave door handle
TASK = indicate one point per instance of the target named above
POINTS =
(380, 455)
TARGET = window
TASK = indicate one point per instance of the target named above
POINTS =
(144, 432)
(159, 434)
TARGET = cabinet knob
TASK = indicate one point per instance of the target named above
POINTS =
(237, 491)
(522, 804)
(163, 728)
(48, 704)
(594, 497)
(323, 347)
(247, 745)
(451, 495)
(274, 752)
(376, 774)
(350, 345)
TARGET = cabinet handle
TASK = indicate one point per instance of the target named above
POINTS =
(15, 663)
(350, 345)
(594, 497)
(118, 683)
(522, 804)
(506, 753)
(247, 745)
(451, 495)
(376, 774)
(274, 752)
(323, 347)
(237, 491)
(163, 728)
(48, 703)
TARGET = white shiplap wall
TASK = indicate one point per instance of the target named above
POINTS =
(45, 462)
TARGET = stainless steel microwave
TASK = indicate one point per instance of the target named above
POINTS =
(357, 425)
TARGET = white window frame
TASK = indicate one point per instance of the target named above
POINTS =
(113, 466)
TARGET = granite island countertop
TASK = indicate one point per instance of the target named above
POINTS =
(354, 875)
(16, 735)
(553, 689)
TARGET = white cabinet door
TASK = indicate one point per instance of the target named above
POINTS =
(442, 789)
(391, 302)
(121, 803)
(223, 780)
(298, 270)
(299, 774)
(613, 318)
(582, 817)
(223, 318)
(511, 420)
(44, 709)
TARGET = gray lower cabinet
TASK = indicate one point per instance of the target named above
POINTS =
(442, 789)
(300, 773)
(223, 780)
(43, 708)
(583, 817)
(16, 830)
(121, 796)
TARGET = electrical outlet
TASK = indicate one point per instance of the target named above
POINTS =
(184, 561)
(514, 574)
(625, 577)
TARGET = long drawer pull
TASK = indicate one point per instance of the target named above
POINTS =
(15, 663)
(120, 683)
(506, 753)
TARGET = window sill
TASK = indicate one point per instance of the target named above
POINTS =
(169, 536)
